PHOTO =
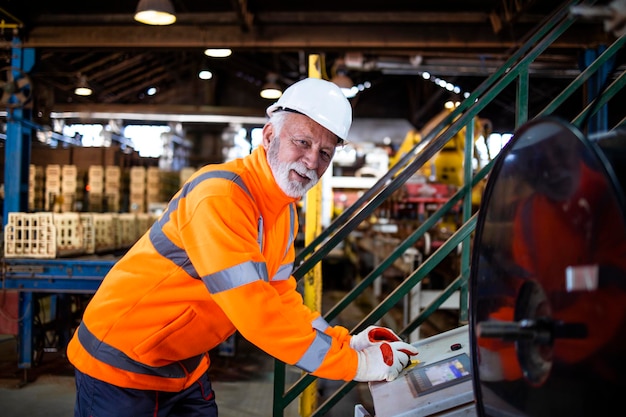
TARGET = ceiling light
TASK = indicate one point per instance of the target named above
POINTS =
(271, 90)
(82, 89)
(345, 83)
(342, 80)
(155, 12)
(205, 74)
(218, 53)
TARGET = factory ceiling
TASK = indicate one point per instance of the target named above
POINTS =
(385, 45)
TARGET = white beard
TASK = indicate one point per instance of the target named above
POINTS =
(281, 171)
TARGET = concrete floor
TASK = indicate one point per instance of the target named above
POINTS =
(243, 386)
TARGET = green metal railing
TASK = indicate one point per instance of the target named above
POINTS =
(514, 70)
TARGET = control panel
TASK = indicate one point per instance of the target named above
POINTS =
(438, 382)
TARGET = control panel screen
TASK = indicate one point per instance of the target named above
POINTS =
(438, 375)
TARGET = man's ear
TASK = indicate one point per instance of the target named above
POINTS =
(268, 135)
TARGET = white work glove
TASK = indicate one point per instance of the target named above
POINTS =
(383, 361)
(372, 336)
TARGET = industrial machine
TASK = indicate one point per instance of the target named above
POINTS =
(446, 167)
(439, 384)
(548, 280)
(547, 331)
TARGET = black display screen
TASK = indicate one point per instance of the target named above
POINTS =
(427, 378)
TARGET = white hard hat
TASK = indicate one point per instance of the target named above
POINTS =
(539, 130)
(320, 100)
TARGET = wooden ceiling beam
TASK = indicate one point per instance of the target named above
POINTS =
(276, 17)
(296, 37)
(246, 18)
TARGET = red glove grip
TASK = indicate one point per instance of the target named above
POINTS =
(407, 352)
(381, 334)
(387, 354)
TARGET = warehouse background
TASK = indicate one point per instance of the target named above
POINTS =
(409, 64)
(402, 60)
(385, 49)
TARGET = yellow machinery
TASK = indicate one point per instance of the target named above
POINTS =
(446, 167)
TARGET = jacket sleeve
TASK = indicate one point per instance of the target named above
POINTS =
(220, 237)
(290, 295)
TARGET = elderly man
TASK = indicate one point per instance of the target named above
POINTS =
(219, 260)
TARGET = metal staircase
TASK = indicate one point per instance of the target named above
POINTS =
(514, 72)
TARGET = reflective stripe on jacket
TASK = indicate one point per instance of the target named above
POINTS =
(219, 259)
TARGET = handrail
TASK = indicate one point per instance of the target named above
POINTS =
(342, 221)
(584, 76)
(515, 68)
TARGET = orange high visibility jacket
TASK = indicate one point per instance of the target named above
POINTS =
(219, 259)
(585, 230)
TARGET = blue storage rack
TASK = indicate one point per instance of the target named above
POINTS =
(54, 276)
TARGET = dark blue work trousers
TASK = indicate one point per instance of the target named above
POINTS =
(95, 398)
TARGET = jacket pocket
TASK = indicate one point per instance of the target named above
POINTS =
(171, 343)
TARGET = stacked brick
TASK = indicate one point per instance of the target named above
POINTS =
(112, 187)
(52, 187)
(69, 234)
(69, 185)
(153, 186)
(184, 174)
(95, 188)
(30, 236)
(50, 235)
(36, 188)
(137, 188)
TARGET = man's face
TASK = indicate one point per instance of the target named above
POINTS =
(557, 167)
(300, 155)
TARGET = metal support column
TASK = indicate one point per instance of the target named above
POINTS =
(313, 278)
(598, 122)
(16, 166)
(17, 146)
